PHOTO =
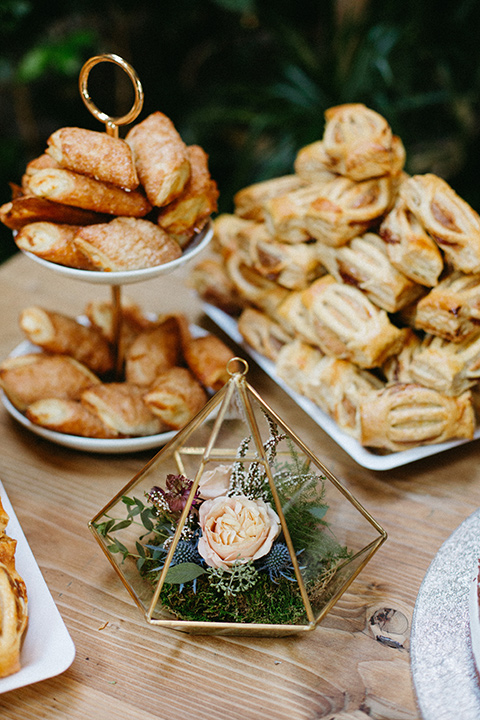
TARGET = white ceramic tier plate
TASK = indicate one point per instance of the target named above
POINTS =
(130, 276)
(48, 649)
(363, 456)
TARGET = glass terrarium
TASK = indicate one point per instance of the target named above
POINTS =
(235, 526)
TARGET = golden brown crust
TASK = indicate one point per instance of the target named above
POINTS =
(121, 408)
(126, 243)
(14, 605)
(207, 358)
(249, 201)
(312, 163)
(286, 215)
(176, 397)
(95, 154)
(254, 287)
(31, 377)
(58, 333)
(188, 213)
(29, 208)
(161, 158)
(403, 416)
(68, 416)
(71, 188)
(52, 242)
(450, 368)
(262, 333)
(153, 351)
(212, 283)
(450, 310)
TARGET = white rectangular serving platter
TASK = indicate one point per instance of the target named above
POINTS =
(47, 649)
(363, 456)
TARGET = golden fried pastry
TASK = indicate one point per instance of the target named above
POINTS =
(312, 163)
(450, 368)
(410, 248)
(161, 158)
(14, 608)
(68, 416)
(52, 242)
(349, 326)
(29, 209)
(364, 263)
(176, 397)
(403, 416)
(262, 333)
(71, 188)
(453, 224)
(212, 283)
(95, 154)
(120, 406)
(207, 358)
(126, 243)
(451, 309)
(286, 215)
(58, 333)
(152, 352)
(188, 213)
(34, 376)
(249, 201)
(397, 367)
(347, 208)
(254, 287)
(359, 142)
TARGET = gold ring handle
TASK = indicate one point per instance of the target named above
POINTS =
(111, 123)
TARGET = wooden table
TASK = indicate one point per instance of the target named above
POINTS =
(125, 668)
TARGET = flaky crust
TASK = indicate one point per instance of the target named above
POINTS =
(263, 334)
(121, 407)
(68, 416)
(52, 242)
(176, 397)
(207, 358)
(152, 352)
(249, 201)
(126, 243)
(451, 309)
(27, 209)
(450, 368)
(14, 608)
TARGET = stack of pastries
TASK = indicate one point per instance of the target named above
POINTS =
(360, 283)
(96, 202)
(13, 603)
(69, 383)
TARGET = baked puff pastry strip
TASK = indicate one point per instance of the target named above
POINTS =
(410, 248)
(254, 287)
(161, 158)
(403, 416)
(286, 215)
(176, 397)
(212, 283)
(27, 209)
(58, 333)
(207, 358)
(397, 368)
(293, 315)
(68, 416)
(188, 213)
(348, 325)
(450, 368)
(52, 242)
(453, 224)
(71, 188)
(311, 163)
(28, 378)
(451, 309)
(153, 351)
(249, 201)
(126, 243)
(359, 142)
(364, 263)
(96, 154)
(121, 407)
(262, 333)
(13, 608)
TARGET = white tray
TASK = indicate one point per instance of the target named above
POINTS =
(48, 649)
(363, 456)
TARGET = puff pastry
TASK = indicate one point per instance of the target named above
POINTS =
(453, 224)
(450, 368)
(397, 368)
(71, 188)
(451, 309)
(27, 209)
(152, 352)
(176, 397)
(402, 416)
(126, 243)
(34, 376)
(349, 326)
(121, 407)
(207, 358)
(187, 215)
(212, 283)
(410, 248)
(161, 158)
(68, 416)
(312, 163)
(286, 215)
(53, 242)
(262, 333)
(254, 287)
(359, 142)
(95, 154)
(294, 316)
(133, 321)
(364, 263)
(249, 201)
(58, 333)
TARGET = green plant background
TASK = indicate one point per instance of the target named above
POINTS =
(249, 80)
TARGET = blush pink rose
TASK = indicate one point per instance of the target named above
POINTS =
(214, 483)
(236, 529)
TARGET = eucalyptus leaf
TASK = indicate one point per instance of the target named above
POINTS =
(183, 572)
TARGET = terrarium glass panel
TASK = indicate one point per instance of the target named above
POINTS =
(236, 526)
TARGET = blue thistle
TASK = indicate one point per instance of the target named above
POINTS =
(278, 563)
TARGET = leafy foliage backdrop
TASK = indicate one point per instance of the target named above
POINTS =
(249, 80)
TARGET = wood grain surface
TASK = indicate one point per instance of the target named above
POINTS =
(353, 667)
